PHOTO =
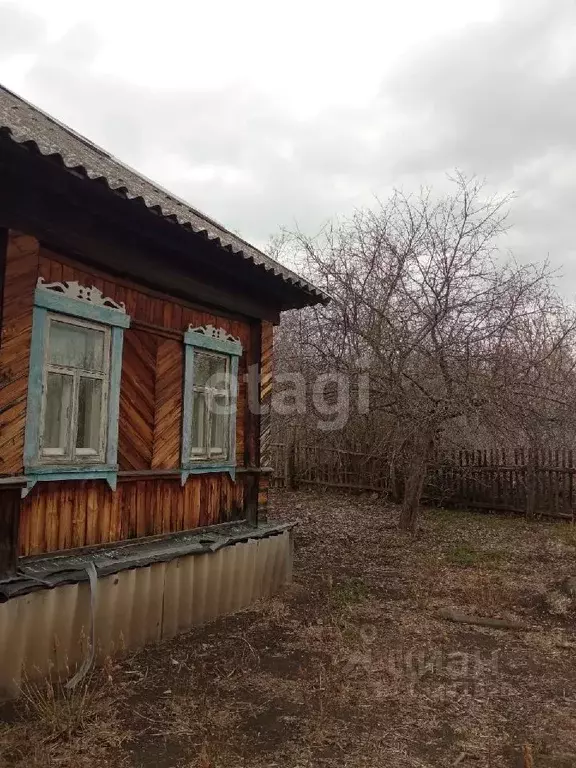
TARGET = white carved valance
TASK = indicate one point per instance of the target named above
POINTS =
(73, 290)
(211, 332)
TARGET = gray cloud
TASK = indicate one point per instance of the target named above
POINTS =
(497, 99)
(20, 31)
(495, 91)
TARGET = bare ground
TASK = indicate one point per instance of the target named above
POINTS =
(351, 666)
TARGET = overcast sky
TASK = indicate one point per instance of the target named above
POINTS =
(264, 114)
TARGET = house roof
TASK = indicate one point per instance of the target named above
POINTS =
(29, 126)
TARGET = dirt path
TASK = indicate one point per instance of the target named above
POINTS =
(351, 666)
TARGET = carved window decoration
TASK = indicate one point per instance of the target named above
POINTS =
(210, 391)
(73, 290)
(74, 384)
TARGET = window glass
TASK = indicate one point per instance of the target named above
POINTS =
(74, 346)
(58, 413)
(210, 406)
(198, 423)
(89, 415)
(219, 421)
(210, 370)
(75, 388)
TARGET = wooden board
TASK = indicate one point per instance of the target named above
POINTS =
(251, 409)
(266, 371)
(64, 515)
(266, 391)
(168, 405)
(19, 283)
(9, 520)
(142, 304)
(137, 400)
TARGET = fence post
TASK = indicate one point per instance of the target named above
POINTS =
(531, 483)
(291, 482)
(286, 472)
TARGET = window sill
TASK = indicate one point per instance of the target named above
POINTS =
(58, 472)
(203, 467)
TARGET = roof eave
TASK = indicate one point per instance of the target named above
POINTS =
(310, 294)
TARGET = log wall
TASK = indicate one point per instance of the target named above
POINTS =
(61, 515)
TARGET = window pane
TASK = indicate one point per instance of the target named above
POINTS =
(74, 346)
(198, 423)
(210, 370)
(219, 421)
(89, 415)
(58, 412)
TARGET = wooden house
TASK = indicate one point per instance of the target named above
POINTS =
(135, 379)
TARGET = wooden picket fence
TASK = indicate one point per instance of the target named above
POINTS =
(531, 482)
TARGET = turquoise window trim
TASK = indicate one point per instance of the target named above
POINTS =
(203, 467)
(201, 340)
(116, 343)
(56, 302)
(35, 377)
(194, 340)
(50, 473)
(35, 471)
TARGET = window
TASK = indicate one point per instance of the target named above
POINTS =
(210, 406)
(74, 391)
(74, 384)
(209, 423)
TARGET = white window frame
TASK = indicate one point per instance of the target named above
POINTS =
(72, 455)
(209, 340)
(209, 453)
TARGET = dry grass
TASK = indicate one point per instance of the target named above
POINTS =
(52, 725)
(350, 666)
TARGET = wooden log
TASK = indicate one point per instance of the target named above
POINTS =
(461, 618)
(527, 758)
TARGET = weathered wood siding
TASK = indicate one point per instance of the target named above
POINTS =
(137, 400)
(62, 515)
(266, 391)
(9, 525)
(168, 404)
(266, 371)
(19, 283)
(152, 365)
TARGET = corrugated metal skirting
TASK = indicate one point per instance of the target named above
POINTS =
(48, 632)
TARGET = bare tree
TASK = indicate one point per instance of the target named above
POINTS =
(450, 331)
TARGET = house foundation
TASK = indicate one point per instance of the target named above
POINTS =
(55, 618)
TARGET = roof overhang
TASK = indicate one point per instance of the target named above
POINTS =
(43, 137)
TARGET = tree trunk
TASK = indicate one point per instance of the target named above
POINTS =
(394, 482)
(414, 483)
(531, 481)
